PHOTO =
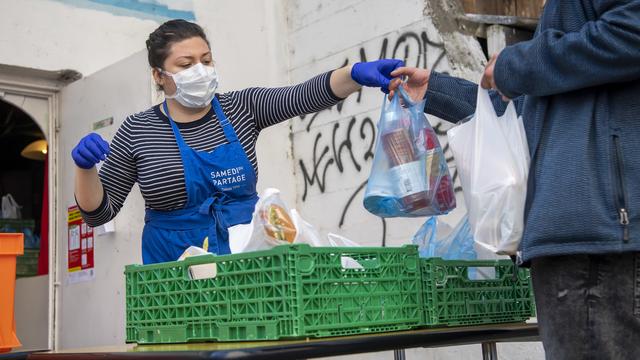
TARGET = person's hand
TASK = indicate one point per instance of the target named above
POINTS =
(375, 73)
(90, 150)
(416, 84)
(488, 80)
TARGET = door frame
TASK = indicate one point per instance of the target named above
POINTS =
(46, 85)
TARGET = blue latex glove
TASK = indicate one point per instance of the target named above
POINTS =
(375, 73)
(90, 150)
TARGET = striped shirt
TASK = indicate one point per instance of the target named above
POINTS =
(144, 149)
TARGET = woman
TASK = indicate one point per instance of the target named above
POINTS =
(194, 156)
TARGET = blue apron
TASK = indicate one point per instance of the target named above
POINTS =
(221, 192)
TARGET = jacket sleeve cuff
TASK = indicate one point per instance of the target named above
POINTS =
(505, 80)
(450, 98)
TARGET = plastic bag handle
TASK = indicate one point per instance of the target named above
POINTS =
(405, 97)
(483, 101)
(400, 92)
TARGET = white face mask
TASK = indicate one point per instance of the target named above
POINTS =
(195, 86)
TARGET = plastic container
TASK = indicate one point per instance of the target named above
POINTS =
(11, 245)
(453, 299)
(27, 264)
(291, 291)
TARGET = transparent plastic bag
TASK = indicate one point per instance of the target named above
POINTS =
(274, 219)
(492, 159)
(458, 244)
(274, 224)
(270, 226)
(409, 176)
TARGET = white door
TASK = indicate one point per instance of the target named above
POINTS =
(92, 313)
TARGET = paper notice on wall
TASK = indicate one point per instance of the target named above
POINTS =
(80, 266)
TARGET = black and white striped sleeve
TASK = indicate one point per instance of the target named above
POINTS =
(117, 174)
(270, 106)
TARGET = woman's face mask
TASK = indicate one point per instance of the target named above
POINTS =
(195, 86)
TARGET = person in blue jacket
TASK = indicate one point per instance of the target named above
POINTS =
(193, 156)
(577, 86)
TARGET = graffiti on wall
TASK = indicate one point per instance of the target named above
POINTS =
(348, 145)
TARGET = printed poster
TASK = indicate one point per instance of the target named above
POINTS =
(80, 257)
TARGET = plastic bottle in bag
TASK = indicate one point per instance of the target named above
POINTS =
(440, 192)
(406, 169)
(439, 178)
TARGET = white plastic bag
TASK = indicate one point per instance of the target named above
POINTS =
(305, 232)
(10, 208)
(492, 158)
(336, 240)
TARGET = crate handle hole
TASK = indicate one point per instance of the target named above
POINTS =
(480, 273)
(203, 271)
(347, 262)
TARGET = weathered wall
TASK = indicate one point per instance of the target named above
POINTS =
(332, 149)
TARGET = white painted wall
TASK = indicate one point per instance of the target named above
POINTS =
(250, 49)
(50, 35)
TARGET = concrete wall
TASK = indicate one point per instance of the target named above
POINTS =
(353, 31)
(332, 149)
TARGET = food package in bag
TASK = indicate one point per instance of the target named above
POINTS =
(409, 176)
(273, 224)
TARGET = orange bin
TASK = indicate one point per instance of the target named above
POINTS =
(11, 245)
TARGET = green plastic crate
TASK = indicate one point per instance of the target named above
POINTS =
(293, 291)
(453, 299)
(27, 264)
(16, 225)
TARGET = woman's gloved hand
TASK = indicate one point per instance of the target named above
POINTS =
(375, 73)
(90, 150)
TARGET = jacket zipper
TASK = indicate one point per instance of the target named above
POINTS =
(621, 198)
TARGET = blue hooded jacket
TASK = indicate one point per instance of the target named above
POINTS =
(577, 86)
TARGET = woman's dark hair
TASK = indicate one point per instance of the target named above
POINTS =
(172, 31)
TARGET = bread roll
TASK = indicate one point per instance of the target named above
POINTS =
(277, 223)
